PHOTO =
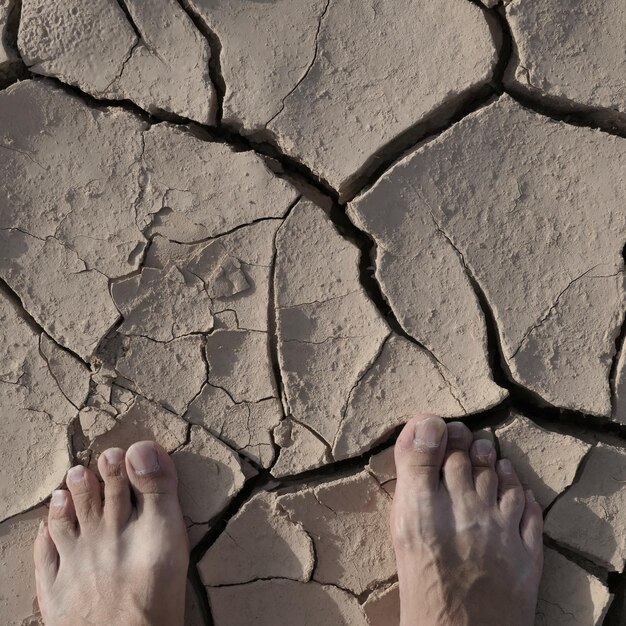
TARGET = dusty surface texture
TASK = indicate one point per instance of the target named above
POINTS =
(265, 234)
(532, 209)
(596, 503)
(572, 54)
(569, 595)
(346, 78)
(546, 461)
(149, 53)
(18, 605)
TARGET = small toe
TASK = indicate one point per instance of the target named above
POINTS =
(62, 523)
(459, 437)
(419, 454)
(46, 559)
(510, 493)
(153, 479)
(457, 468)
(531, 526)
(483, 458)
(86, 495)
(117, 503)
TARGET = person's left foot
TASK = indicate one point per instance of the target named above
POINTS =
(118, 561)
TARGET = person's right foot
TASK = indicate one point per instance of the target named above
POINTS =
(468, 540)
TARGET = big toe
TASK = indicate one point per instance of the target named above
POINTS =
(419, 454)
(153, 479)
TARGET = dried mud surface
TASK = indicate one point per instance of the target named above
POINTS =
(267, 234)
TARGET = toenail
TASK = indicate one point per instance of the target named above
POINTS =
(59, 498)
(76, 474)
(114, 456)
(530, 496)
(456, 431)
(429, 432)
(505, 466)
(144, 459)
(483, 448)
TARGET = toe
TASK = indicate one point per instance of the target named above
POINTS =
(153, 479)
(86, 495)
(459, 437)
(483, 458)
(117, 503)
(419, 453)
(531, 526)
(62, 523)
(457, 468)
(46, 561)
(510, 493)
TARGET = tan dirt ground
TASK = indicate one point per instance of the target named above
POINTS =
(266, 233)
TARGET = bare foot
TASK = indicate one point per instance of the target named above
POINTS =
(468, 541)
(121, 561)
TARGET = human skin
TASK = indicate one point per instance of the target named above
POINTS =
(467, 538)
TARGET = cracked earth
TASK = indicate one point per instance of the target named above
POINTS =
(265, 234)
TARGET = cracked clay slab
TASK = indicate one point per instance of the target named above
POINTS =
(231, 273)
(271, 602)
(570, 53)
(245, 426)
(70, 374)
(324, 87)
(58, 186)
(147, 52)
(51, 280)
(545, 461)
(331, 338)
(345, 517)
(240, 364)
(162, 304)
(424, 281)
(568, 595)
(36, 415)
(534, 209)
(210, 475)
(259, 542)
(235, 269)
(171, 373)
(301, 449)
(208, 190)
(66, 218)
(18, 606)
(589, 517)
(332, 520)
(103, 200)
(382, 607)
